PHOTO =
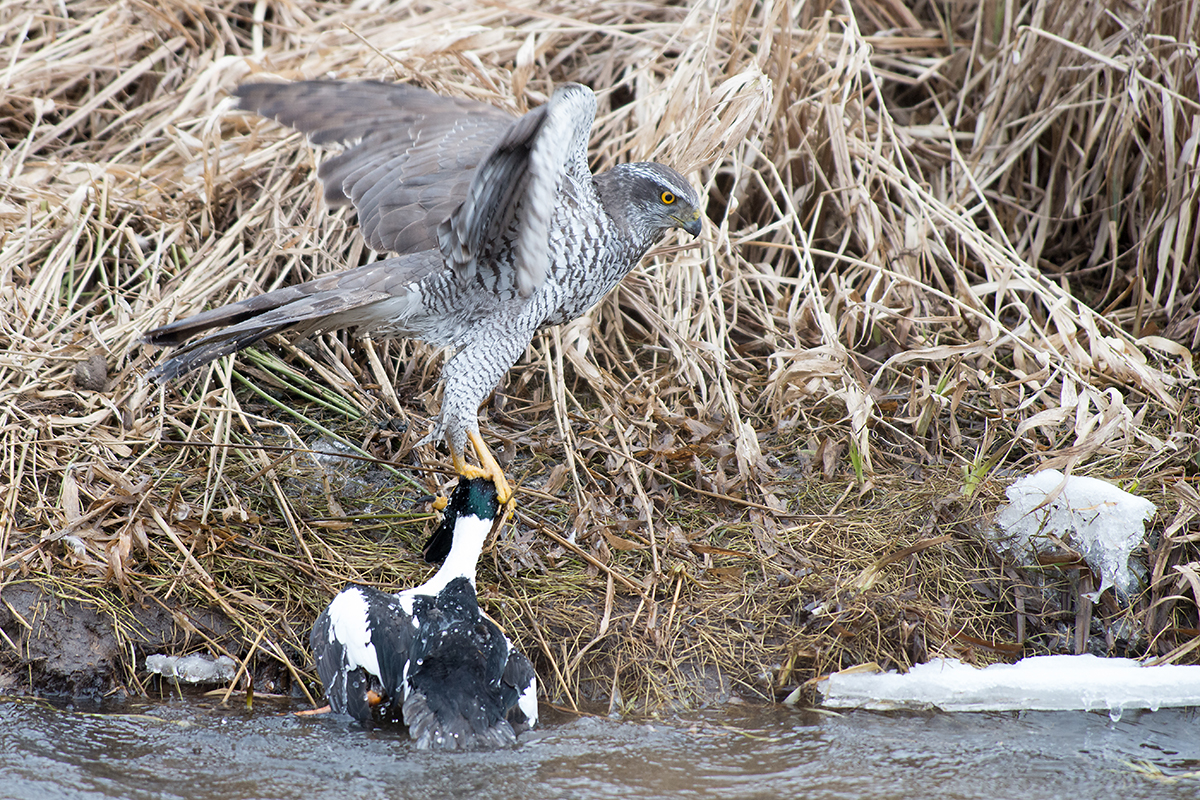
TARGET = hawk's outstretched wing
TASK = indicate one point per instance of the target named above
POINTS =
(518, 186)
(427, 171)
(411, 153)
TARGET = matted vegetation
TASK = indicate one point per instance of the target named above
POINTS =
(942, 251)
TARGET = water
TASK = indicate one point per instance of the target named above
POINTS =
(199, 751)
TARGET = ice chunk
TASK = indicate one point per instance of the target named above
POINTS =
(1043, 683)
(334, 455)
(1099, 520)
(195, 668)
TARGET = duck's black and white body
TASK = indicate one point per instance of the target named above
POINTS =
(427, 657)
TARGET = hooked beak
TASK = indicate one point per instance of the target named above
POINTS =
(693, 224)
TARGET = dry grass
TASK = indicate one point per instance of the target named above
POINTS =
(942, 251)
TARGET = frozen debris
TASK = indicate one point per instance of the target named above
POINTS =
(335, 456)
(1039, 683)
(341, 465)
(195, 668)
(1099, 520)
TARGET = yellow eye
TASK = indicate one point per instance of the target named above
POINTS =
(668, 198)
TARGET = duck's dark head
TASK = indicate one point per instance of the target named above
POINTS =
(473, 498)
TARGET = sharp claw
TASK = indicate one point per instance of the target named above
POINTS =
(488, 468)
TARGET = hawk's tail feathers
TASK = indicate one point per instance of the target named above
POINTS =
(256, 318)
(379, 295)
(179, 331)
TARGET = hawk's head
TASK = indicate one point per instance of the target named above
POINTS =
(649, 199)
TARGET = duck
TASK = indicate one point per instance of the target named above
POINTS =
(428, 658)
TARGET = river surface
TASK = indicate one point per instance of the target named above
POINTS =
(198, 750)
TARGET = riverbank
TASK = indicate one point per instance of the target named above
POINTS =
(769, 454)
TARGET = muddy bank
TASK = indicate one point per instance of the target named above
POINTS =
(63, 647)
(94, 649)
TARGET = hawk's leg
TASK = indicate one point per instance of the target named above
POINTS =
(488, 468)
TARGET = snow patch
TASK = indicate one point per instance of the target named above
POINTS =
(1101, 521)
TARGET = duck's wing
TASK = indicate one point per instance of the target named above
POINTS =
(454, 698)
(356, 642)
(520, 682)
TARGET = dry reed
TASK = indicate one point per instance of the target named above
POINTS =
(946, 245)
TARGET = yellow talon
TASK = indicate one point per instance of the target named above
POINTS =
(488, 468)
(440, 502)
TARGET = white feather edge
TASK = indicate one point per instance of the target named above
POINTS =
(348, 625)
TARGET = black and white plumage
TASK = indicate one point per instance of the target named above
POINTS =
(501, 226)
(427, 657)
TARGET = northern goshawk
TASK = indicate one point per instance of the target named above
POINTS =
(501, 226)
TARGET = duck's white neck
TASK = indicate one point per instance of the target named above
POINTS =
(470, 532)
